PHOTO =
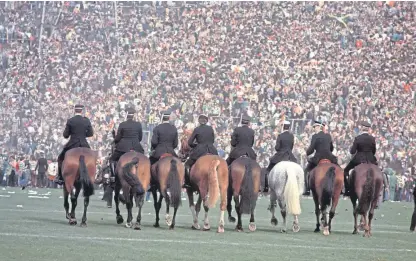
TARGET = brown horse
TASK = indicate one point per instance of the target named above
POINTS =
(209, 177)
(78, 171)
(245, 182)
(326, 181)
(167, 177)
(367, 183)
(132, 167)
(413, 223)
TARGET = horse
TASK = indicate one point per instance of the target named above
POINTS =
(167, 177)
(131, 167)
(286, 181)
(78, 171)
(244, 181)
(366, 185)
(209, 178)
(326, 181)
(413, 223)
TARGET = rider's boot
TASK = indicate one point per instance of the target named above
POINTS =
(346, 186)
(187, 183)
(59, 179)
(307, 188)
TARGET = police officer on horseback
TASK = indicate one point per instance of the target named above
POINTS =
(364, 148)
(242, 140)
(284, 147)
(164, 139)
(205, 138)
(78, 128)
(322, 145)
(129, 135)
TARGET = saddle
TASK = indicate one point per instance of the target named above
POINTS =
(324, 161)
(164, 155)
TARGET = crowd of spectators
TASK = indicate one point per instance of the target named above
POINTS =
(340, 62)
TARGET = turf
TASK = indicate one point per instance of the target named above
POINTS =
(36, 229)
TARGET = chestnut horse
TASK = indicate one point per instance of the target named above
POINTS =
(133, 177)
(244, 181)
(413, 223)
(209, 178)
(78, 171)
(367, 183)
(326, 181)
(167, 177)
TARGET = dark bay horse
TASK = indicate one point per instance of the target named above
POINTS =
(367, 183)
(244, 181)
(413, 223)
(133, 177)
(167, 177)
(209, 178)
(78, 171)
(326, 181)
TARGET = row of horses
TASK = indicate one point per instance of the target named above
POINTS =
(213, 180)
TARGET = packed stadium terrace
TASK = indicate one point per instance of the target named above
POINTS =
(340, 62)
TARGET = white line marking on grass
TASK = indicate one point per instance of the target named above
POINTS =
(210, 242)
(5, 196)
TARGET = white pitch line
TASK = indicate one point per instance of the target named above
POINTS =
(211, 242)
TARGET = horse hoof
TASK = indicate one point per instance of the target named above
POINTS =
(68, 216)
(171, 227)
(317, 230)
(72, 222)
(274, 221)
(282, 231)
(239, 229)
(120, 220)
(83, 224)
(128, 225)
(207, 227)
(220, 229)
(156, 225)
(137, 226)
(168, 220)
(252, 227)
(296, 228)
(196, 227)
(326, 232)
(355, 232)
(231, 219)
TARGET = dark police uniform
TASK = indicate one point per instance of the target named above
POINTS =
(242, 140)
(284, 147)
(129, 135)
(78, 128)
(164, 139)
(364, 148)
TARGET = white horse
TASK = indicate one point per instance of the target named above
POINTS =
(286, 186)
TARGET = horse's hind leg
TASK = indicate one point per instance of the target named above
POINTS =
(229, 206)
(332, 211)
(207, 226)
(272, 207)
(282, 206)
(119, 218)
(354, 209)
(252, 226)
(157, 208)
(168, 217)
(74, 200)
(239, 227)
(371, 215)
(195, 224)
(129, 205)
(139, 214)
(84, 216)
(66, 203)
(317, 212)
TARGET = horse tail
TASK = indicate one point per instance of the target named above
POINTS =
(213, 185)
(367, 194)
(328, 187)
(174, 184)
(87, 185)
(291, 193)
(248, 195)
(131, 179)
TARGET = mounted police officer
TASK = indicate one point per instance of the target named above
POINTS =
(129, 135)
(164, 139)
(284, 147)
(364, 148)
(79, 129)
(205, 138)
(322, 145)
(242, 140)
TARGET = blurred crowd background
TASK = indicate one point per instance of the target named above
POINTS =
(340, 62)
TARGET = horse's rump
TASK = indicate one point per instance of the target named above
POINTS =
(368, 181)
(170, 174)
(326, 181)
(141, 170)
